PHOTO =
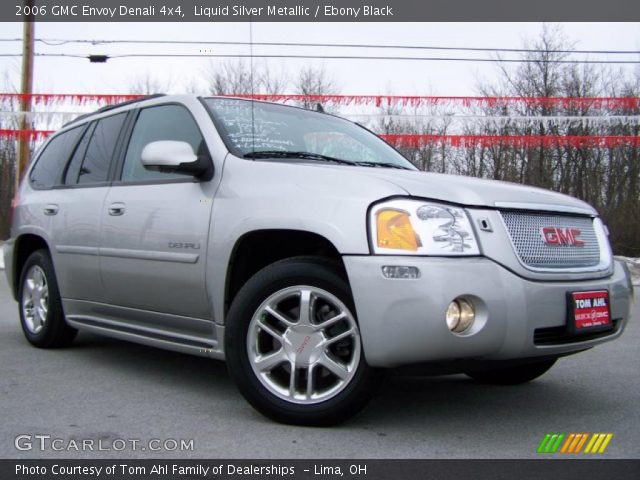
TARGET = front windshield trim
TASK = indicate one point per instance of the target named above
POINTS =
(410, 166)
(224, 133)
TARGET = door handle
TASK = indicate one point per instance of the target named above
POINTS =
(116, 209)
(51, 209)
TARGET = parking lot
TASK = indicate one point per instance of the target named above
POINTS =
(108, 389)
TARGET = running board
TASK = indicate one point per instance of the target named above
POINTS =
(148, 336)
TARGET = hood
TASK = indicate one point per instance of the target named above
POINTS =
(479, 192)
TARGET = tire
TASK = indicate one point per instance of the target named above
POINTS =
(513, 375)
(281, 361)
(41, 315)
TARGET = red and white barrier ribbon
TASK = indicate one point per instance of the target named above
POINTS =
(458, 141)
(611, 103)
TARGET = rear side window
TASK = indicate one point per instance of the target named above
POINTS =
(47, 171)
(73, 169)
(165, 122)
(92, 158)
(97, 159)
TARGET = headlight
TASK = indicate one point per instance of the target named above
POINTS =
(412, 227)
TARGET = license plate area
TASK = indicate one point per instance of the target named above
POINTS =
(588, 312)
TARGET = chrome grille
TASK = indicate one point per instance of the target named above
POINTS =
(524, 230)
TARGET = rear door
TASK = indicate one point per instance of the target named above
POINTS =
(42, 204)
(75, 208)
(155, 226)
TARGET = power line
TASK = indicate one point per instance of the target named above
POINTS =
(58, 42)
(324, 57)
(46, 55)
(360, 57)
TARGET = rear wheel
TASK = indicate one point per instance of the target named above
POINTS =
(293, 344)
(513, 375)
(41, 314)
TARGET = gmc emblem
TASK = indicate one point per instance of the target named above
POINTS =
(562, 236)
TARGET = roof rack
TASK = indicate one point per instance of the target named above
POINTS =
(106, 108)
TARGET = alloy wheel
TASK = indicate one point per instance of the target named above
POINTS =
(35, 299)
(304, 344)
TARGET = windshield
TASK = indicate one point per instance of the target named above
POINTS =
(286, 132)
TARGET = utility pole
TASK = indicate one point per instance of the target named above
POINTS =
(26, 89)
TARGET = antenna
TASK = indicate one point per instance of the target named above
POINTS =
(253, 120)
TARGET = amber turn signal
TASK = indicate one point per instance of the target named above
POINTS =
(395, 231)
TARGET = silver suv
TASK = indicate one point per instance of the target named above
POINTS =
(303, 250)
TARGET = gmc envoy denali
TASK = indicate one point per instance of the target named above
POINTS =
(303, 250)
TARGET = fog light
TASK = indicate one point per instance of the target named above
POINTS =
(460, 315)
(453, 315)
(400, 271)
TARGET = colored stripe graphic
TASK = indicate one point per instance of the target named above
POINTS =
(550, 443)
(543, 444)
(581, 442)
(598, 443)
(566, 445)
(573, 443)
(605, 444)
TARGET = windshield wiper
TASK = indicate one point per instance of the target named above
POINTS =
(319, 157)
(302, 155)
(380, 164)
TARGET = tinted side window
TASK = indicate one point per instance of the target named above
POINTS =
(97, 159)
(48, 170)
(73, 168)
(165, 122)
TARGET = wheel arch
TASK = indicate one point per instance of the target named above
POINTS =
(24, 246)
(258, 248)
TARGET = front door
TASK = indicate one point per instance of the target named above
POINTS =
(153, 239)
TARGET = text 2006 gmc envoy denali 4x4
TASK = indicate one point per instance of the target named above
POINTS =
(303, 250)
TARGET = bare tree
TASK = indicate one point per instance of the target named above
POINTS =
(192, 86)
(239, 78)
(621, 190)
(314, 81)
(8, 156)
(230, 77)
(270, 82)
(147, 85)
(606, 177)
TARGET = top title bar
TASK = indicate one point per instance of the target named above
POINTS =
(317, 10)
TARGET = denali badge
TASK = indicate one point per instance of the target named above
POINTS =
(189, 246)
(562, 236)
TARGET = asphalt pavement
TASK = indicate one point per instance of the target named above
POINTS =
(104, 389)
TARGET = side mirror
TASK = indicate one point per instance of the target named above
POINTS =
(176, 157)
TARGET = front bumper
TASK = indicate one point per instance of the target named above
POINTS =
(402, 321)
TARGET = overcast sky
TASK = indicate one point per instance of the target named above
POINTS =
(68, 75)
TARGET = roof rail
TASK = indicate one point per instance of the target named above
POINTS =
(106, 108)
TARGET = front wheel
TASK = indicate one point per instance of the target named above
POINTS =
(513, 375)
(293, 347)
